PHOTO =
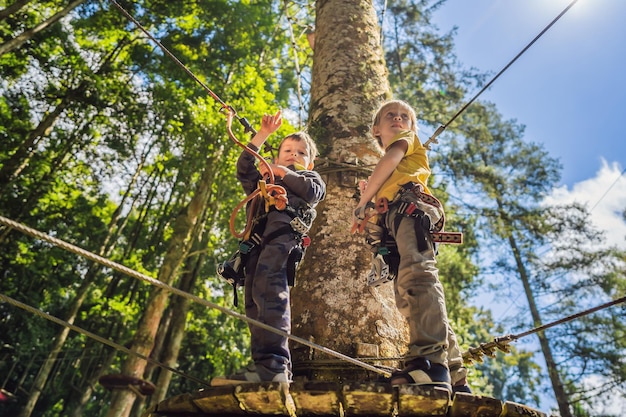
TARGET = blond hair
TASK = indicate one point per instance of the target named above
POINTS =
(377, 116)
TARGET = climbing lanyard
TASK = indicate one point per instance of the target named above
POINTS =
(273, 194)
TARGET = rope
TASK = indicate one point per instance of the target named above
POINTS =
(502, 342)
(470, 356)
(440, 129)
(135, 274)
(272, 193)
(296, 63)
(607, 190)
(246, 125)
(97, 338)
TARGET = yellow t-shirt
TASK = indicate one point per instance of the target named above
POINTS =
(412, 168)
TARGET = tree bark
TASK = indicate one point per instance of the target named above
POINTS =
(178, 248)
(331, 302)
(559, 392)
(9, 10)
(25, 36)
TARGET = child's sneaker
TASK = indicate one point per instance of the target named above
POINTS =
(421, 371)
(251, 375)
(461, 386)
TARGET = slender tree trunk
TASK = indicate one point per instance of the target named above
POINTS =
(14, 7)
(559, 392)
(178, 249)
(81, 294)
(14, 166)
(75, 404)
(180, 307)
(331, 303)
(19, 40)
(23, 154)
(46, 368)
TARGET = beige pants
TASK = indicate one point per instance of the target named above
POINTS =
(420, 297)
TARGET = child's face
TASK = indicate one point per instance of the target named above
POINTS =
(294, 152)
(393, 119)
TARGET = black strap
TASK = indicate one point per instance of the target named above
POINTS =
(280, 231)
(421, 224)
(235, 296)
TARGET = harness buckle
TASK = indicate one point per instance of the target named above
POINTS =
(299, 226)
(379, 274)
(410, 208)
(246, 246)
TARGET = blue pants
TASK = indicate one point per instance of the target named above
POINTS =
(267, 297)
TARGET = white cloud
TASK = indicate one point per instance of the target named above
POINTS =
(605, 196)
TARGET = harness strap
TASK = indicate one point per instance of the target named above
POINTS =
(274, 195)
(280, 231)
(412, 209)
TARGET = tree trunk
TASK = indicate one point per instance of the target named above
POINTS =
(180, 307)
(331, 302)
(81, 295)
(559, 392)
(16, 42)
(74, 406)
(9, 10)
(178, 248)
(19, 160)
(46, 368)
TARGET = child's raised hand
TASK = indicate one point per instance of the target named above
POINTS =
(271, 123)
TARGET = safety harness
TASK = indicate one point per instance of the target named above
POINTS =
(233, 270)
(427, 208)
(410, 201)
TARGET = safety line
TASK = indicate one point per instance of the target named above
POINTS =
(470, 355)
(440, 129)
(97, 338)
(607, 190)
(503, 341)
(135, 274)
(244, 122)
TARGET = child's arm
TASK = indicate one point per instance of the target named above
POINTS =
(383, 170)
(308, 185)
(247, 173)
(269, 125)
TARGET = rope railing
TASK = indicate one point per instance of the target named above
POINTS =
(155, 282)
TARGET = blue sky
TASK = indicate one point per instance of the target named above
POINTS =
(568, 89)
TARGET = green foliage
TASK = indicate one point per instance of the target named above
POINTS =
(105, 140)
(122, 136)
(505, 179)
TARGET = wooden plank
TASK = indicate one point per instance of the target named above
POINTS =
(422, 401)
(333, 399)
(266, 398)
(218, 401)
(317, 398)
(512, 409)
(180, 404)
(468, 405)
(368, 399)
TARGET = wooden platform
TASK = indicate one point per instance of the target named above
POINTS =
(333, 399)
